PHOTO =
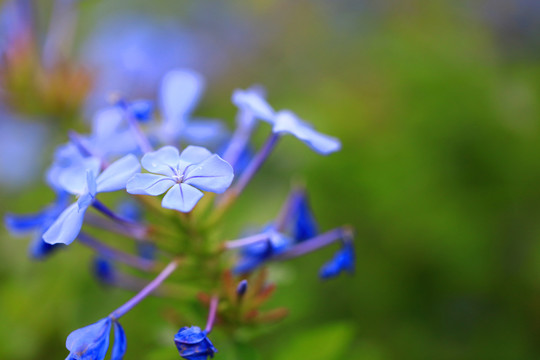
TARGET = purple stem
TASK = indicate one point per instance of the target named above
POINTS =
(255, 164)
(253, 239)
(114, 254)
(316, 243)
(237, 144)
(211, 314)
(122, 310)
(137, 229)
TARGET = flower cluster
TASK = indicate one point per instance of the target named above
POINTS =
(181, 174)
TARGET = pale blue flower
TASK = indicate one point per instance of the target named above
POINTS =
(181, 90)
(181, 175)
(86, 182)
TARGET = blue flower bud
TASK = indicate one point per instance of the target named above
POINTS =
(241, 288)
(343, 260)
(193, 344)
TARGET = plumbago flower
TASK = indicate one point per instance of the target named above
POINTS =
(181, 175)
(213, 270)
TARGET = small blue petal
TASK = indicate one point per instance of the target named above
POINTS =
(252, 101)
(214, 174)
(74, 179)
(162, 161)
(305, 226)
(194, 154)
(204, 132)
(118, 173)
(180, 93)
(21, 224)
(149, 184)
(120, 342)
(90, 342)
(85, 201)
(288, 123)
(181, 197)
(66, 228)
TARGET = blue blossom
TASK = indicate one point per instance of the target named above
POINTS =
(286, 122)
(343, 260)
(38, 223)
(92, 342)
(194, 344)
(65, 156)
(181, 90)
(86, 182)
(104, 270)
(252, 256)
(181, 175)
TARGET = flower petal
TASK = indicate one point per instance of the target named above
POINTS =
(180, 92)
(161, 161)
(91, 341)
(120, 343)
(21, 224)
(214, 174)
(118, 173)
(66, 228)
(74, 178)
(252, 101)
(181, 197)
(195, 154)
(149, 184)
(107, 121)
(287, 122)
(205, 132)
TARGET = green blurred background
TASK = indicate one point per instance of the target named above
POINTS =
(437, 105)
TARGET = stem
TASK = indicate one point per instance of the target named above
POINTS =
(211, 314)
(228, 198)
(237, 144)
(114, 254)
(253, 239)
(122, 310)
(98, 205)
(255, 164)
(316, 243)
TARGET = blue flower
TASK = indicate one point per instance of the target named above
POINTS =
(193, 344)
(252, 256)
(181, 175)
(65, 156)
(181, 90)
(86, 182)
(39, 223)
(285, 122)
(343, 260)
(104, 270)
(92, 342)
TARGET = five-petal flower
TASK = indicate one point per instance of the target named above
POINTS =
(181, 175)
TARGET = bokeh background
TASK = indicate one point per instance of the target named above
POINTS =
(437, 104)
